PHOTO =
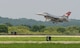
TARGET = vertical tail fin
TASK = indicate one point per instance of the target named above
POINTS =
(67, 14)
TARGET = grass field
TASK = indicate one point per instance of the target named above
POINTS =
(36, 45)
(39, 38)
(39, 45)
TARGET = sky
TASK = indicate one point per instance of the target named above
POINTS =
(29, 8)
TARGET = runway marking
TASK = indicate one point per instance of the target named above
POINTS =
(64, 42)
(37, 36)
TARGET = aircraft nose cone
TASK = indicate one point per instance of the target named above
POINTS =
(43, 13)
(39, 14)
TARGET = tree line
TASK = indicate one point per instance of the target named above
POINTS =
(40, 29)
(69, 30)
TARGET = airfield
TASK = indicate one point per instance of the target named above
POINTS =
(37, 37)
(39, 41)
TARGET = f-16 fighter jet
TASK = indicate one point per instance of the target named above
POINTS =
(55, 19)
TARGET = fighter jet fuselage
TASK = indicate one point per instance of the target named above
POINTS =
(53, 18)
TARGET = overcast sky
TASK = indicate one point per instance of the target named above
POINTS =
(29, 8)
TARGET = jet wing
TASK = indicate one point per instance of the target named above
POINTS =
(53, 16)
(48, 16)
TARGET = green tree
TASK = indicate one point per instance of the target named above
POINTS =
(36, 28)
(3, 28)
(8, 24)
(72, 30)
(61, 30)
(41, 28)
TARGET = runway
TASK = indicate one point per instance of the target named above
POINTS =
(39, 35)
(64, 42)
